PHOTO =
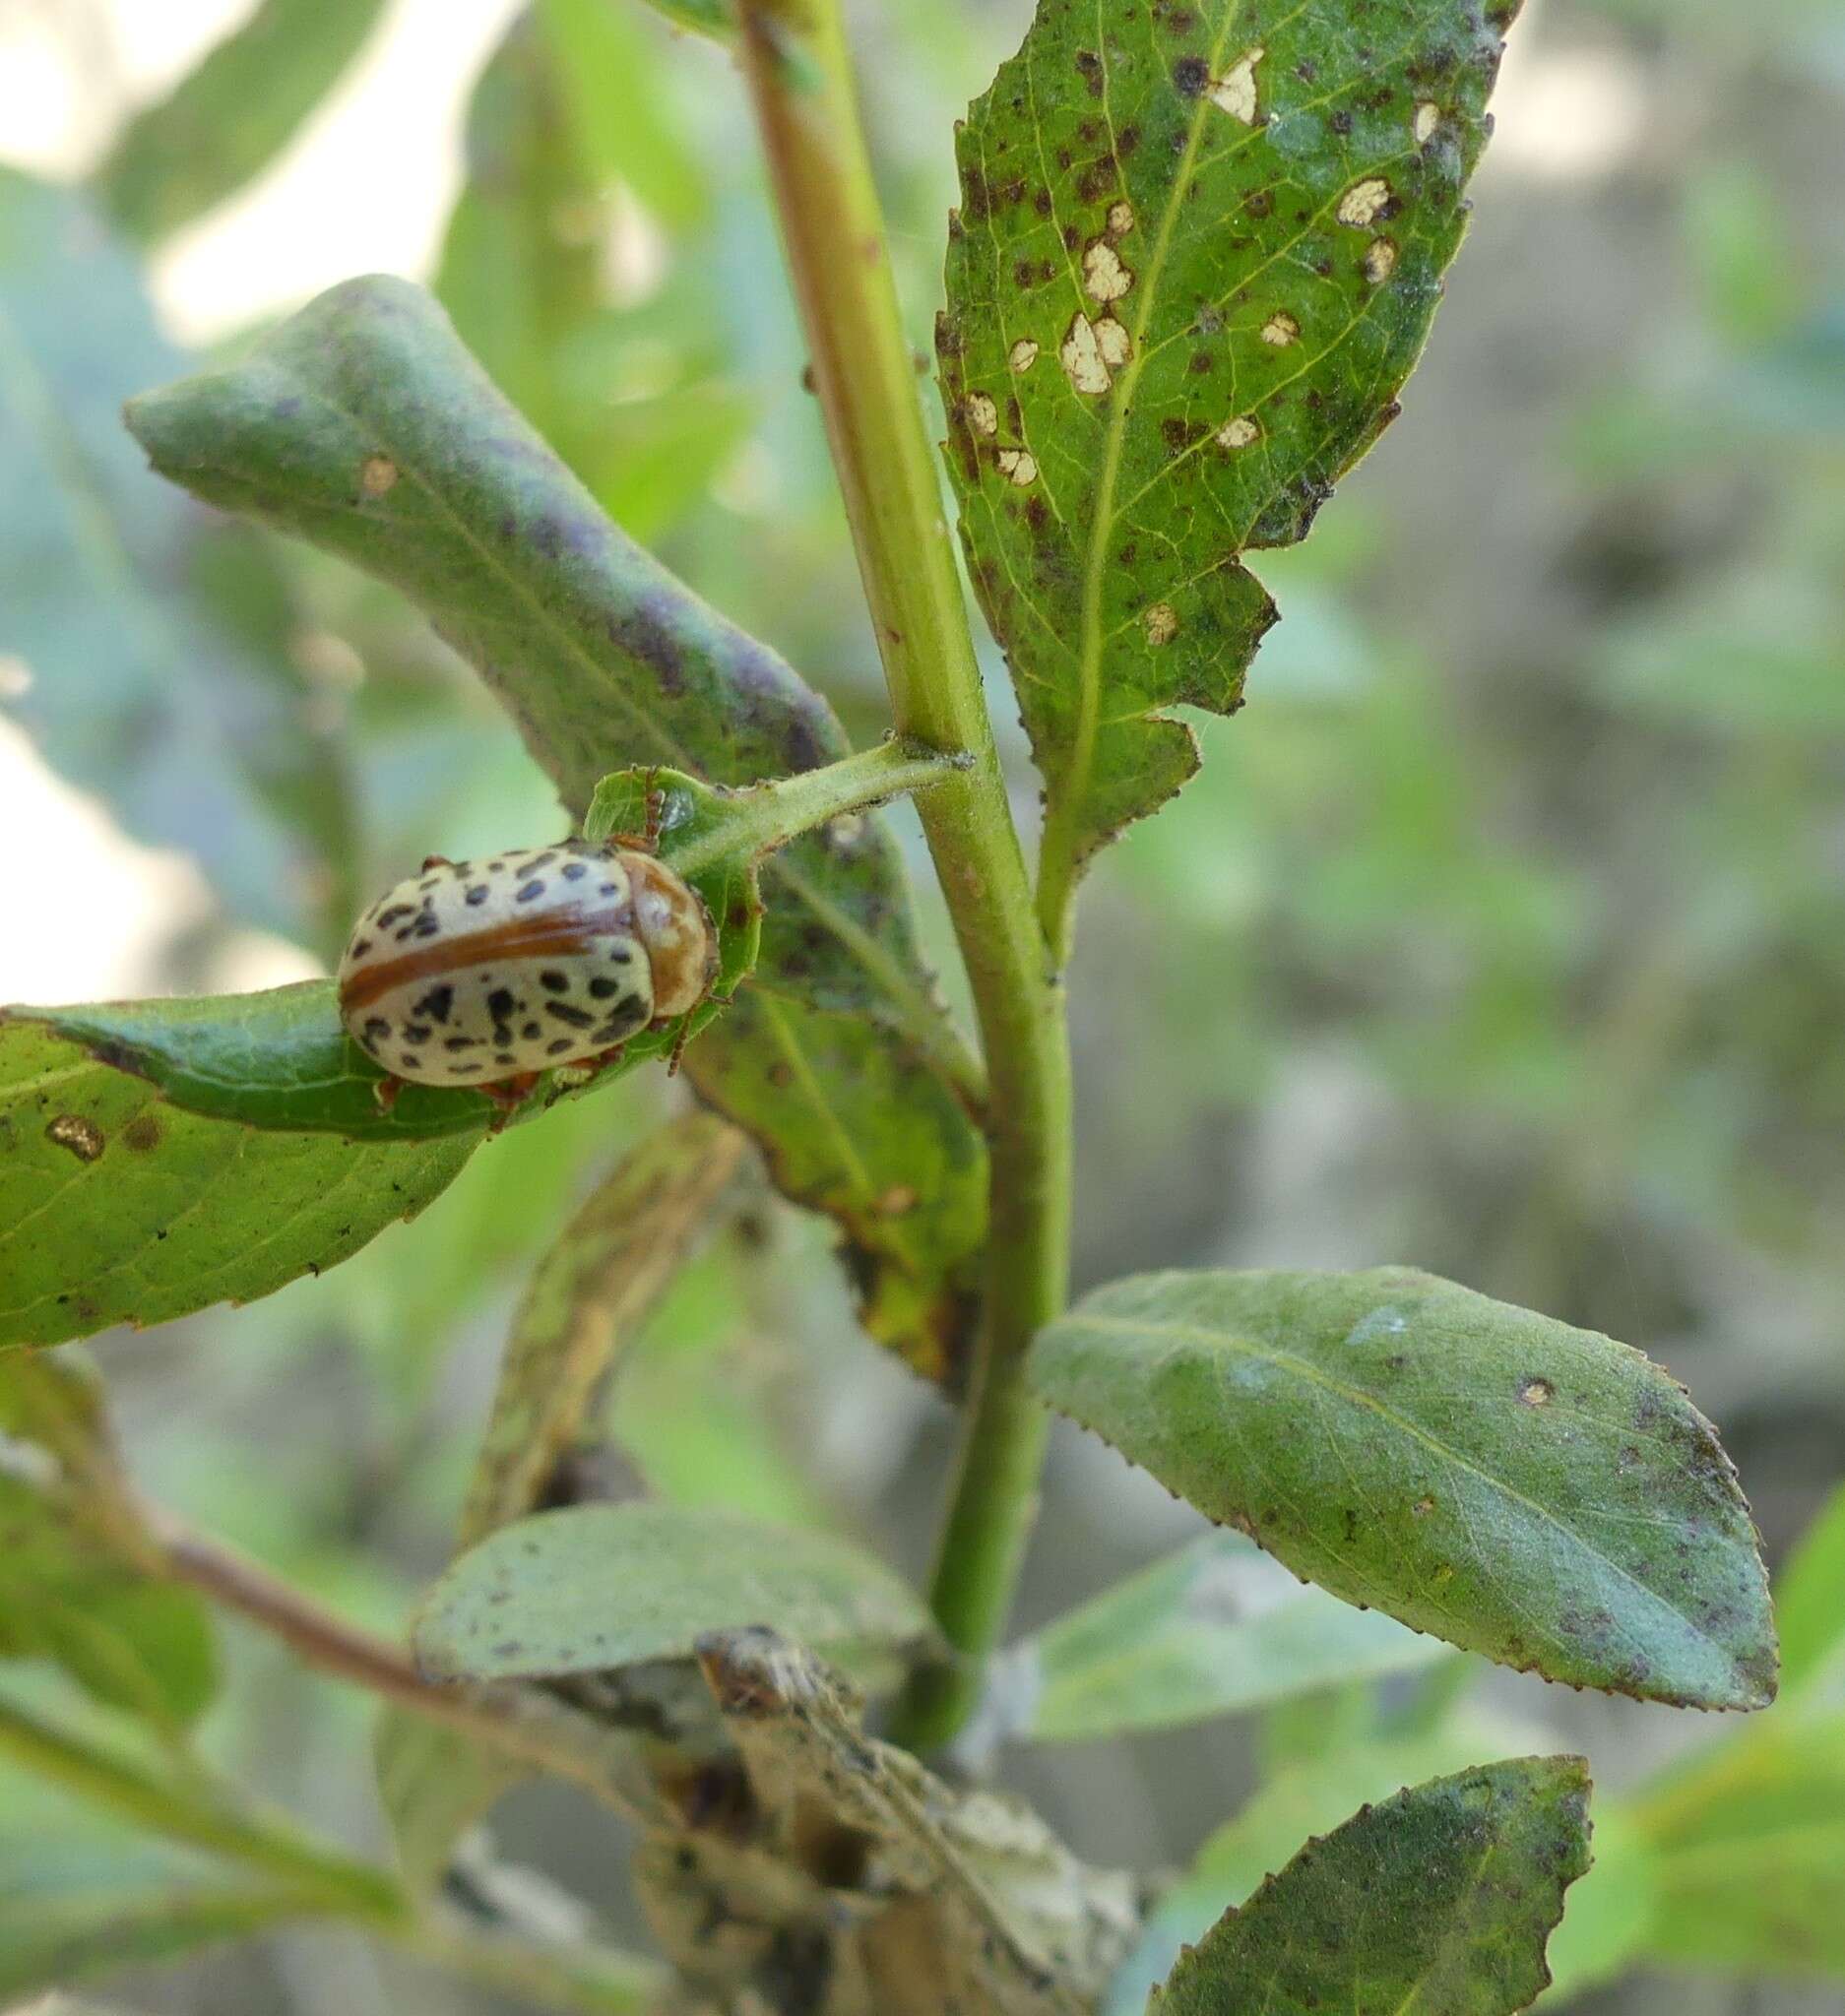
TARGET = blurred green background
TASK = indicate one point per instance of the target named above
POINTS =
(1503, 934)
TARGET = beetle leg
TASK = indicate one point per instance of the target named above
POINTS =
(385, 1092)
(508, 1094)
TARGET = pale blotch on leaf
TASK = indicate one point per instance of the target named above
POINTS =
(1281, 329)
(376, 474)
(982, 414)
(1023, 355)
(1536, 1392)
(1080, 354)
(1427, 118)
(1162, 621)
(1104, 275)
(1113, 342)
(1121, 218)
(1018, 465)
(1363, 203)
(1237, 433)
(1234, 91)
(1380, 258)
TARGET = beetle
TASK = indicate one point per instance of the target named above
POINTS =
(485, 974)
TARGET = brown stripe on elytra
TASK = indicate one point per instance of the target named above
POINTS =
(552, 934)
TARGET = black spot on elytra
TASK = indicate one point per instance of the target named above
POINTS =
(606, 889)
(531, 891)
(573, 1018)
(601, 986)
(461, 1042)
(501, 1005)
(426, 926)
(621, 955)
(1190, 75)
(553, 981)
(417, 1032)
(376, 1028)
(476, 895)
(409, 1061)
(575, 871)
(435, 1004)
(531, 1031)
(359, 948)
(387, 917)
(504, 1057)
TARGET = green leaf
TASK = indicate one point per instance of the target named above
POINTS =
(1519, 1487)
(1201, 1634)
(157, 647)
(120, 1206)
(363, 425)
(1810, 1598)
(1309, 1798)
(434, 1785)
(1435, 1903)
(57, 1940)
(78, 1572)
(1197, 254)
(600, 1587)
(1749, 1840)
(226, 121)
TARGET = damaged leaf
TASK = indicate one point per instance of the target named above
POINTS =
(1435, 1903)
(1197, 253)
(362, 424)
(1521, 1489)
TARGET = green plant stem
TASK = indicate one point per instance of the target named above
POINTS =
(179, 1808)
(767, 816)
(796, 61)
(522, 1723)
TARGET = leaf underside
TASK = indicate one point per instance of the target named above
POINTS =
(1197, 253)
(1435, 1903)
(1519, 1487)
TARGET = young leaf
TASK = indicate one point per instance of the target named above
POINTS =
(1435, 1903)
(118, 1205)
(226, 120)
(1519, 1487)
(598, 1587)
(1201, 1634)
(1197, 253)
(362, 424)
(196, 728)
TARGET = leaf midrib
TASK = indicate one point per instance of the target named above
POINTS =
(1060, 840)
